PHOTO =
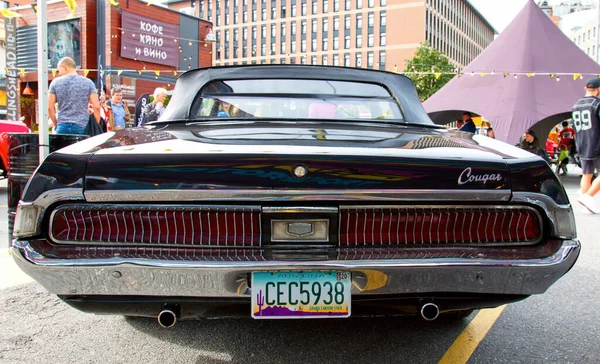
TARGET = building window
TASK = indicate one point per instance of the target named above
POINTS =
(273, 13)
(314, 25)
(371, 20)
(315, 7)
(293, 47)
(370, 40)
(325, 6)
(282, 48)
(273, 49)
(293, 28)
(293, 10)
(382, 60)
(253, 15)
(371, 3)
(382, 40)
(336, 60)
(383, 3)
(370, 60)
(358, 41)
(358, 21)
(313, 45)
(336, 6)
(347, 4)
(358, 59)
(313, 60)
(359, 4)
(263, 15)
(325, 46)
(303, 27)
(283, 30)
(303, 46)
(254, 33)
(347, 60)
(236, 18)
(325, 25)
(263, 49)
(347, 42)
(273, 30)
(382, 19)
(303, 10)
(324, 60)
(303, 60)
(347, 22)
(336, 43)
(336, 23)
(283, 12)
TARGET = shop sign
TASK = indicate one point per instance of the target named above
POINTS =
(128, 91)
(149, 40)
(12, 86)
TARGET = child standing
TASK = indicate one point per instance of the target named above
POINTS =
(563, 159)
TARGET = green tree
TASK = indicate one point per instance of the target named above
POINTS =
(429, 60)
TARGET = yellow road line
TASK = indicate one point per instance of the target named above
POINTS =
(466, 343)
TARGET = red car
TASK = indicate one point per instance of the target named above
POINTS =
(8, 126)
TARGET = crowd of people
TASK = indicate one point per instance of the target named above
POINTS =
(74, 104)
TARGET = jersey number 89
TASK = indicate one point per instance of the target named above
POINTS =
(582, 120)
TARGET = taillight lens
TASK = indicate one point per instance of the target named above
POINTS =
(439, 225)
(198, 226)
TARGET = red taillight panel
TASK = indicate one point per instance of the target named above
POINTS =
(160, 225)
(438, 225)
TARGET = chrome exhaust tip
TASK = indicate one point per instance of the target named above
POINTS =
(167, 318)
(430, 311)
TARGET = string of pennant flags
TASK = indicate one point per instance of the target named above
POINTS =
(23, 71)
(72, 5)
(176, 73)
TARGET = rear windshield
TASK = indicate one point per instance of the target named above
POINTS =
(295, 99)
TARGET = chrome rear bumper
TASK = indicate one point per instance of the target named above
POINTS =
(166, 278)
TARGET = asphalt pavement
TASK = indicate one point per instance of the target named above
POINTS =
(560, 326)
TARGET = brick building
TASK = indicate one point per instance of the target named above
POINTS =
(380, 34)
(132, 45)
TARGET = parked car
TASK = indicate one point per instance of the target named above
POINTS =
(8, 126)
(291, 191)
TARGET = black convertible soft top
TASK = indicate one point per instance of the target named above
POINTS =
(190, 83)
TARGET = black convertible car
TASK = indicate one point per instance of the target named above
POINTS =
(291, 191)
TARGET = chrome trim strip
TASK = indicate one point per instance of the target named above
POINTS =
(221, 279)
(52, 196)
(296, 195)
(299, 209)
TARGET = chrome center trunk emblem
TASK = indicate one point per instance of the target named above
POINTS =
(309, 230)
(300, 229)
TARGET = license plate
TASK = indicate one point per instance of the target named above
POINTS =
(307, 294)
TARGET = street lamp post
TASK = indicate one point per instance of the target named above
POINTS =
(42, 45)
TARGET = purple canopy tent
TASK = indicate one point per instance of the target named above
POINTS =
(532, 44)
